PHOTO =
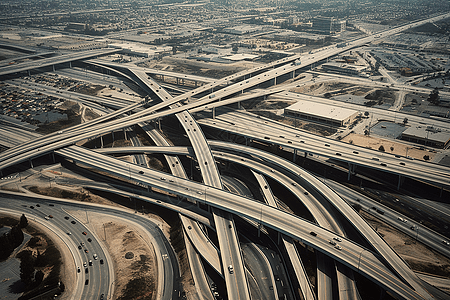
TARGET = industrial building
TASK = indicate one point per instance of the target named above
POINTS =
(343, 68)
(428, 136)
(323, 113)
(329, 25)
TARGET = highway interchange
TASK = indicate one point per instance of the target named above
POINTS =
(331, 214)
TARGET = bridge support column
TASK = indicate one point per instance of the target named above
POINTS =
(162, 78)
(440, 194)
(214, 113)
(239, 104)
(101, 142)
(259, 230)
(125, 134)
(70, 64)
(279, 238)
(351, 170)
(53, 157)
(29, 73)
(274, 81)
(53, 68)
(178, 81)
(400, 181)
(306, 154)
(295, 155)
(293, 74)
(31, 163)
(112, 133)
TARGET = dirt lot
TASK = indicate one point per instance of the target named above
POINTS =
(133, 255)
(398, 148)
(419, 257)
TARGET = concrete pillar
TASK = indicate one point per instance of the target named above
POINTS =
(29, 73)
(112, 132)
(295, 155)
(293, 74)
(177, 80)
(400, 181)
(70, 64)
(195, 83)
(275, 81)
(442, 189)
(259, 230)
(306, 154)
(125, 133)
(53, 68)
(239, 104)
(31, 163)
(162, 78)
(101, 142)
(53, 157)
(214, 113)
(351, 170)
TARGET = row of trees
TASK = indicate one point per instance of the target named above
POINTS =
(12, 239)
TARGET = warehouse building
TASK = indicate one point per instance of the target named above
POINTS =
(429, 136)
(323, 113)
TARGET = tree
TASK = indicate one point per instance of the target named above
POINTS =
(433, 98)
(392, 148)
(381, 148)
(405, 120)
(38, 277)
(16, 236)
(23, 221)
(26, 267)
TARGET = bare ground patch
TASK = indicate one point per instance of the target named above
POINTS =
(418, 256)
(135, 277)
(397, 148)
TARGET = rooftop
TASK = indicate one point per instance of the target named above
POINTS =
(322, 110)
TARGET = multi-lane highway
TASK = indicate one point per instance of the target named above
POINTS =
(336, 253)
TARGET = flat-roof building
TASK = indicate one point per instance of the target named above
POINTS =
(323, 113)
(427, 135)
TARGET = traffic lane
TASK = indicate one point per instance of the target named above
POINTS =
(11, 208)
(97, 282)
(260, 269)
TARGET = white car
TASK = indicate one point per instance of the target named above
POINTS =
(95, 256)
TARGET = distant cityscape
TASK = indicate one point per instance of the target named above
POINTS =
(225, 149)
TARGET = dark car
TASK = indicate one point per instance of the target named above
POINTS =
(73, 222)
(89, 240)
(313, 233)
(101, 261)
(86, 282)
(86, 250)
(66, 217)
(51, 204)
(79, 247)
(31, 206)
(38, 205)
